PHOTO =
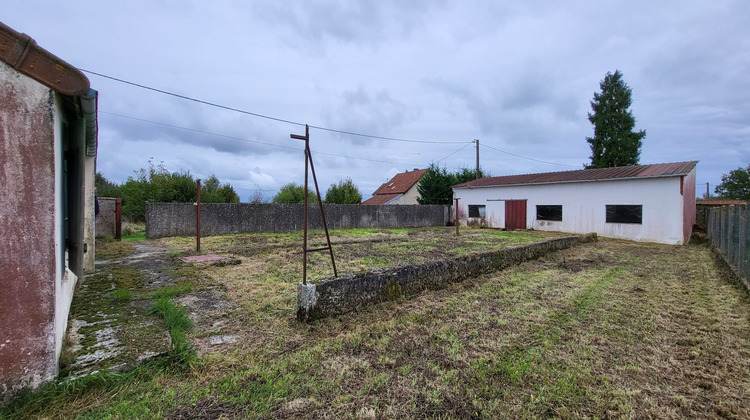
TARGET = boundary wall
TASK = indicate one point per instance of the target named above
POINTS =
(179, 219)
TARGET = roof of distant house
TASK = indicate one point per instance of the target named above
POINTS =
(380, 199)
(658, 170)
(399, 184)
(720, 202)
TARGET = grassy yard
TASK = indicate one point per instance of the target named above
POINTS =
(609, 329)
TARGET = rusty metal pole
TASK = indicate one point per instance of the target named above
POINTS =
(118, 219)
(322, 214)
(308, 160)
(477, 172)
(457, 222)
(198, 219)
(304, 241)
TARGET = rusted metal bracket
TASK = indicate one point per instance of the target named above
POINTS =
(305, 250)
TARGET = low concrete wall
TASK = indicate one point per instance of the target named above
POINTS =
(105, 221)
(336, 296)
(178, 219)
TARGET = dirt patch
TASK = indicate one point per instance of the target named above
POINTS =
(208, 409)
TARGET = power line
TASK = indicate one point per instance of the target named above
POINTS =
(268, 117)
(461, 148)
(528, 158)
(249, 140)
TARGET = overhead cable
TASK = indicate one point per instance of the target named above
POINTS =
(255, 114)
(528, 158)
(250, 140)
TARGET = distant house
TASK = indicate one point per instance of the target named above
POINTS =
(642, 202)
(48, 145)
(401, 189)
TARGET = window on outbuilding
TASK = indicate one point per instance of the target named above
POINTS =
(476, 211)
(625, 213)
(549, 212)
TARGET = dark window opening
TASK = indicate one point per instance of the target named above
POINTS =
(625, 213)
(476, 211)
(553, 213)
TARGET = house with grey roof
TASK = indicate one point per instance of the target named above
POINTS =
(654, 203)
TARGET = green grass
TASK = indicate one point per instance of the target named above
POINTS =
(171, 291)
(181, 351)
(135, 237)
(121, 296)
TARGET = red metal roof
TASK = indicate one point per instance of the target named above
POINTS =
(720, 202)
(379, 199)
(401, 183)
(584, 175)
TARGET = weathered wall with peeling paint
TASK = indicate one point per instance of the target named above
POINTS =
(28, 249)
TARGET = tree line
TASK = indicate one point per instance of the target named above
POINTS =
(157, 184)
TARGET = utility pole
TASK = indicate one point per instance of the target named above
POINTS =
(477, 142)
(707, 194)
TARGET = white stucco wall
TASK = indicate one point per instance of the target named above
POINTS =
(584, 207)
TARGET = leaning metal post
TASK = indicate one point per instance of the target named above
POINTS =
(322, 212)
(308, 158)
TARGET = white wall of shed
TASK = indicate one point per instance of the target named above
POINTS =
(584, 207)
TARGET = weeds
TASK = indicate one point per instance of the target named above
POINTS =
(181, 351)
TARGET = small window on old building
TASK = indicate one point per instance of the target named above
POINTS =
(476, 211)
(552, 213)
(621, 213)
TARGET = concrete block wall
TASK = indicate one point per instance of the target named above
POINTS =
(336, 296)
(105, 221)
(179, 219)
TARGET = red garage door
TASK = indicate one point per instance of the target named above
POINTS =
(515, 214)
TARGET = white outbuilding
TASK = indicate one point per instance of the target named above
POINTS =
(654, 203)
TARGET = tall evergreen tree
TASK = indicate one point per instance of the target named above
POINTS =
(435, 186)
(614, 142)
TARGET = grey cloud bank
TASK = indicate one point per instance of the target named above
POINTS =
(517, 77)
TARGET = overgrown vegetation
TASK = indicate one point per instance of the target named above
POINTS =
(294, 193)
(157, 184)
(181, 351)
(611, 329)
(344, 192)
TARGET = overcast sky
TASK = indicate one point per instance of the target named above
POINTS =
(518, 76)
